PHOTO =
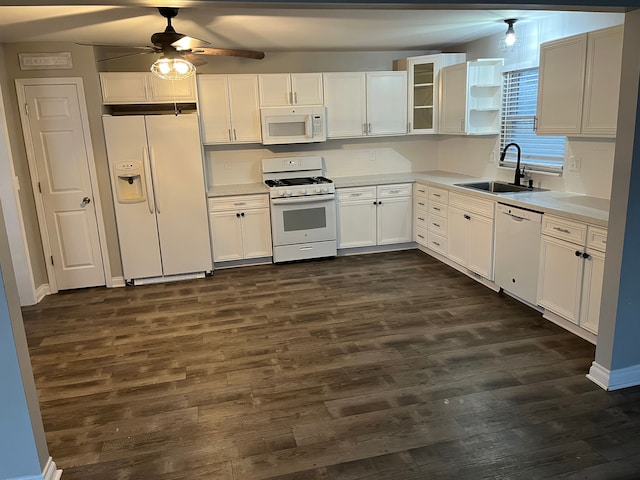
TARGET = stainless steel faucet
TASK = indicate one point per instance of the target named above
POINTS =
(518, 174)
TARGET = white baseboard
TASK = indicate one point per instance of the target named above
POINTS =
(51, 471)
(614, 379)
(570, 326)
(42, 291)
(168, 278)
(117, 282)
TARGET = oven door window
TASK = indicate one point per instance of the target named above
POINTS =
(293, 223)
(304, 219)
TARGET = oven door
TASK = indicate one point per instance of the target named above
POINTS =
(303, 219)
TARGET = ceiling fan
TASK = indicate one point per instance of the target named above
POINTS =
(180, 53)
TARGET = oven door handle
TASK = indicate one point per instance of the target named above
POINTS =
(313, 199)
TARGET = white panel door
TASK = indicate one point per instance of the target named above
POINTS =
(560, 277)
(256, 233)
(178, 181)
(481, 246)
(602, 82)
(453, 99)
(592, 291)
(244, 108)
(386, 103)
(275, 90)
(357, 224)
(307, 88)
(561, 86)
(394, 220)
(126, 140)
(62, 162)
(226, 236)
(458, 225)
(345, 99)
(213, 106)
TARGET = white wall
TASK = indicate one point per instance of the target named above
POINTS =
(231, 165)
(588, 162)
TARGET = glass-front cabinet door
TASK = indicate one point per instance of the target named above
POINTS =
(423, 76)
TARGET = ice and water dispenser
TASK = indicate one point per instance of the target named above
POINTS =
(129, 177)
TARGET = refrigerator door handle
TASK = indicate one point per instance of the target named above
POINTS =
(156, 186)
(147, 174)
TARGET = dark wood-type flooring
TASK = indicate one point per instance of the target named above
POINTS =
(385, 366)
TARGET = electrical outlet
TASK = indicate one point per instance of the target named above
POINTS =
(574, 163)
(227, 165)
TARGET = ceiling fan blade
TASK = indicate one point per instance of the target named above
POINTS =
(228, 52)
(126, 55)
(195, 60)
(189, 43)
(107, 45)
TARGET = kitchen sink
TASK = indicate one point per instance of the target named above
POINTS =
(499, 187)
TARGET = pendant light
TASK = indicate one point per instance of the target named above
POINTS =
(510, 41)
(176, 68)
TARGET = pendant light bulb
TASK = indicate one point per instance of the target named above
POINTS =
(173, 68)
(510, 40)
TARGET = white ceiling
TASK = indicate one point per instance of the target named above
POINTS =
(268, 29)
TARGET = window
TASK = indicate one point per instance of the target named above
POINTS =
(520, 96)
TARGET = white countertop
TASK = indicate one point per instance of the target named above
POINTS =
(570, 205)
(237, 189)
(575, 206)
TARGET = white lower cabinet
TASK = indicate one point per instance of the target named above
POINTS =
(571, 270)
(430, 217)
(470, 233)
(240, 227)
(370, 216)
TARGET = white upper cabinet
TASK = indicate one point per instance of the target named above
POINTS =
(284, 89)
(423, 77)
(361, 104)
(579, 84)
(471, 97)
(229, 109)
(144, 87)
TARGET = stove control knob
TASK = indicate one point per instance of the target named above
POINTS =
(303, 191)
(289, 192)
(324, 190)
(281, 193)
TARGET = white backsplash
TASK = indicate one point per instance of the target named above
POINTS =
(242, 164)
(588, 163)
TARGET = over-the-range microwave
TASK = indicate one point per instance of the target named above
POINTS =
(304, 124)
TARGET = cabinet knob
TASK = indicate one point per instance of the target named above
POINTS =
(585, 255)
(237, 215)
(578, 253)
(467, 217)
(242, 214)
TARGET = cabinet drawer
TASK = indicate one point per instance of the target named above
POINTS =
(421, 219)
(564, 229)
(219, 204)
(397, 190)
(438, 209)
(597, 238)
(420, 190)
(472, 204)
(420, 203)
(356, 193)
(437, 224)
(422, 236)
(437, 243)
(438, 195)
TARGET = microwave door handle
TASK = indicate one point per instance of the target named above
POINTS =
(309, 126)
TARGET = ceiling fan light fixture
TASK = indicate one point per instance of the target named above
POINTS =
(510, 40)
(173, 68)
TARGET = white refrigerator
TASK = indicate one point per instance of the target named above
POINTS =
(157, 179)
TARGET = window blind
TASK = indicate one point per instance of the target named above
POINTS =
(519, 100)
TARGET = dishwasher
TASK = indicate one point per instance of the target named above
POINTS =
(517, 251)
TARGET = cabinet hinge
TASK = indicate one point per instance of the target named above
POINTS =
(26, 109)
(52, 260)
(39, 187)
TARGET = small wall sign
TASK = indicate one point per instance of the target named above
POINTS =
(45, 61)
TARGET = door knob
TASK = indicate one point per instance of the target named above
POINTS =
(85, 201)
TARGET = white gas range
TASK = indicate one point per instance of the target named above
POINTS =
(303, 208)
